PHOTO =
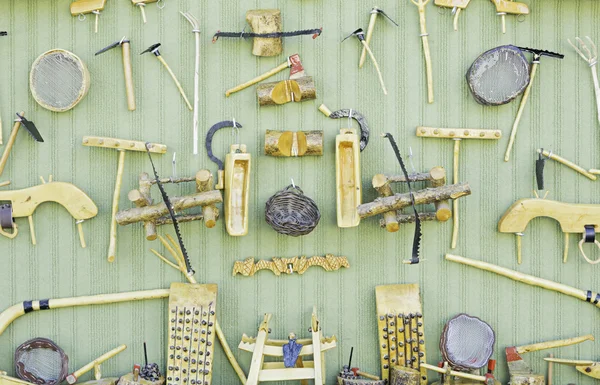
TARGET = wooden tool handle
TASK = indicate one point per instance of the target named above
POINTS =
(363, 55)
(554, 344)
(515, 127)
(366, 46)
(367, 375)
(528, 279)
(9, 144)
(98, 361)
(567, 163)
(164, 63)
(129, 89)
(326, 111)
(453, 373)
(257, 79)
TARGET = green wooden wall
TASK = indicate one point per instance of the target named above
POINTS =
(560, 116)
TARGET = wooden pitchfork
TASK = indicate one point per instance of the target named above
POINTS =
(591, 57)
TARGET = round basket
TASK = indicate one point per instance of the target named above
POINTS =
(40, 361)
(290, 212)
(467, 342)
(59, 80)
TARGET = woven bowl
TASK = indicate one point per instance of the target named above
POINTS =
(290, 212)
(27, 369)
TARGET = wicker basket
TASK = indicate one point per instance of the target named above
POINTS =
(30, 368)
(290, 212)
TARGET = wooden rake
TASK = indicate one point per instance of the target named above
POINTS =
(591, 57)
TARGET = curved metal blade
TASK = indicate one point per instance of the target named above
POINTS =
(31, 128)
(209, 138)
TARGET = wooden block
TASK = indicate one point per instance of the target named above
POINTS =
(288, 143)
(86, 6)
(270, 94)
(347, 178)
(265, 21)
(123, 144)
(458, 133)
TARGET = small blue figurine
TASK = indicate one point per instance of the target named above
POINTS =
(291, 350)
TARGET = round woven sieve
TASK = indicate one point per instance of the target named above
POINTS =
(290, 212)
(59, 80)
(40, 361)
(467, 342)
(499, 75)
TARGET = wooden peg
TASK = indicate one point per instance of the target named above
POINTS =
(205, 182)
(83, 7)
(141, 4)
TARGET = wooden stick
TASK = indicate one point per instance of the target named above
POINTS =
(363, 55)
(366, 46)
(455, 23)
(550, 369)
(81, 236)
(528, 279)
(112, 247)
(566, 251)
(5, 183)
(571, 165)
(455, 201)
(425, 40)
(97, 13)
(257, 79)
(72, 378)
(164, 63)
(196, 30)
(129, 89)
(515, 127)
(1, 130)
(142, 7)
(453, 373)
(10, 143)
(553, 344)
(382, 185)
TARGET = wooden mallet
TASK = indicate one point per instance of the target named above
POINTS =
(126, 51)
(154, 49)
(457, 134)
(122, 146)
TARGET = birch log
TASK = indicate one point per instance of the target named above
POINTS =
(288, 143)
(307, 91)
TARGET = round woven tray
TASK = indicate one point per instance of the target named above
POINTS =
(467, 342)
(290, 212)
(28, 371)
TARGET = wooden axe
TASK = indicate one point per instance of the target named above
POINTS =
(293, 63)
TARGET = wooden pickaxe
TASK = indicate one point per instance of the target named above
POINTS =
(520, 372)
(31, 129)
(154, 49)
(360, 35)
(374, 13)
(126, 52)
(293, 63)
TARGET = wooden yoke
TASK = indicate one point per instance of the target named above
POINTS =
(121, 145)
(457, 134)
(392, 219)
(572, 217)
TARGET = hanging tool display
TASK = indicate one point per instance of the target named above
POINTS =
(233, 177)
(498, 75)
(574, 218)
(376, 11)
(457, 134)
(401, 329)
(589, 368)
(348, 145)
(360, 35)
(521, 373)
(154, 50)
(29, 127)
(141, 4)
(551, 155)
(503, 7)
(583, 295)
(391, 220)
(293, 143)
(591, 58)
(289, 266)
(196, 31)
(80, 8)
(59, 80)
(262, 346)
(40, 361)
(153, 215)
(537, 55)
(122, 146)
(266, 32)
(95, 365)
(425, 41)
(124, 43)
(23, 203)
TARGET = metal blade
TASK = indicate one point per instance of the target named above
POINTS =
(113, 45)
(31, 128)
(380, 11)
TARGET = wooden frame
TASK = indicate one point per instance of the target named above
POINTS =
(261, 346)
